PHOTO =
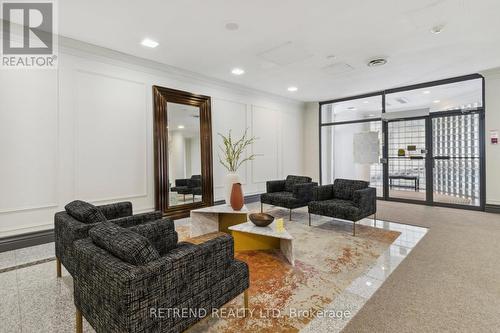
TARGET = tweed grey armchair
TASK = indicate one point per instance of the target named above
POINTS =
(346, 199)
(115, 295)
(80, 217)
(291, 193)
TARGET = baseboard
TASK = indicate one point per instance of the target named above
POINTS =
(248, 199)
(25, 240)
(490, 208)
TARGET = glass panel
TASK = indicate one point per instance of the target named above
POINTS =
(407, 159)
(356, 109)
(184, 154)
(464, 95)
(352, 151)
(456, 159)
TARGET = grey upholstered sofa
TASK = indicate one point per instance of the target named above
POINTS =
(80, 217)
(139, 287)
(291, 193)
(346, 199)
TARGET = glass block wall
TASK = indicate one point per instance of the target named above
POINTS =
(456, 152)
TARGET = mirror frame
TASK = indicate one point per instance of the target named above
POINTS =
(161, 96)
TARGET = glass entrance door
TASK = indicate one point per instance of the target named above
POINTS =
(406, 159)
(456, 159)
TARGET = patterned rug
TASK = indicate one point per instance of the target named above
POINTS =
(284, 298)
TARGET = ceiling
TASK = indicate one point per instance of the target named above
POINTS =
(320, 46)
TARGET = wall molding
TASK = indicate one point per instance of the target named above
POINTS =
(77, 143)
(28, 208)
(244, 179)
(275, 114)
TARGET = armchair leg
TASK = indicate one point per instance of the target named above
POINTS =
(354, 228)
(245, 301)
(375, 220)
(58, 267)
(309, 219)
(184, 198)
(261, 207)
(193, 197)
(290, 214)
(79, 321)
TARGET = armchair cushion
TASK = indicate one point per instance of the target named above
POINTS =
(291, 181)
(85, 212)
(303, 191)
(160, 233)
(123, 243)
(116, 210)
(181, 182)
(323, 192)
(338, 208)
(344, 188)
(282, 199)
(275, 186)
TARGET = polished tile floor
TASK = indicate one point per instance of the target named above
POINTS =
(33, 299)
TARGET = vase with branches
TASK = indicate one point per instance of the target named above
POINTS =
(232, 155)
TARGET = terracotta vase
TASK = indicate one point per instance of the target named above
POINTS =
(236, 197)
(231, 178)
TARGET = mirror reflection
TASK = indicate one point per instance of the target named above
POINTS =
(184, 154)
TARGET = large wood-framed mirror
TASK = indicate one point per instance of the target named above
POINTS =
(182, 151)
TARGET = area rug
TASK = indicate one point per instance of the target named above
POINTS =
(285, 298)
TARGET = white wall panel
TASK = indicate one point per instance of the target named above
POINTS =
(110, 138)
(28, 139)
(291, 142)
(265, 127)
(85, 132)
(226, 115)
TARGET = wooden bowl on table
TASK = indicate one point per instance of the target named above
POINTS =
(261, 219)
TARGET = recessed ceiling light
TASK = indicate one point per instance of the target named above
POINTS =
(331, 57)
(149, 43)
(180, 126)
(238, 71)
(232, 26)
(371, 115)
(426, 92)
(368, 283)
(292, 89)
(351, 108)
(437, 29)
(437, 101)
(365, 102)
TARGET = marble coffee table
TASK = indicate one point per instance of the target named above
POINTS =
(216, 218)
(247, 236)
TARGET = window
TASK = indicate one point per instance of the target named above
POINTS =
(422, 145)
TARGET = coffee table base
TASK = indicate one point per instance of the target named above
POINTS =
(244, 241)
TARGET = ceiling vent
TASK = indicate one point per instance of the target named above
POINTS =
(285, 54)
(377, 62)
(338, 68)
